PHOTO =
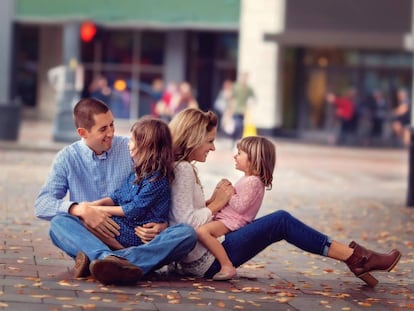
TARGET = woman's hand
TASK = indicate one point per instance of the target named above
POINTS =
(220, 185)
(223, 183)
(149, 231)
(222, 194)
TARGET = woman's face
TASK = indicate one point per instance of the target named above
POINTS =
(200, 154)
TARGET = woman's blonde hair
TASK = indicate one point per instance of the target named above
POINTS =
(189, 129)
(261, 153)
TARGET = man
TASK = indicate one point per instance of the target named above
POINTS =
(90, 169)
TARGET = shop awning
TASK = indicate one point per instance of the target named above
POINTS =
(163, 14)
(360, 40)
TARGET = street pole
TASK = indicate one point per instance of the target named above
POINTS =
(410, 190)
(67, 93)
(9, 107)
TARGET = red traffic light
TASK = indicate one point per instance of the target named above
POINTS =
(87, 31)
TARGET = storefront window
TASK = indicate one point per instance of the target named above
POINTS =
(26, 62)
(227, 46)
(152, 48)
(333, 70)
(117, 47)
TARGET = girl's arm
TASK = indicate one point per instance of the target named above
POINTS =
(249, 195)
(114, 210)
(103, 201)
(107, 205)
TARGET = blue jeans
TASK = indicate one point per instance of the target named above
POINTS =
(245, 243)
(70, 235)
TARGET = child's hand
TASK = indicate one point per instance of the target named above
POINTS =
(222, 183)
(224, 193)
(149, 231)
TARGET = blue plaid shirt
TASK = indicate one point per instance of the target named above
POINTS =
(84, 176)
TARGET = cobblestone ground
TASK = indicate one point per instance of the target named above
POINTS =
(351, 194)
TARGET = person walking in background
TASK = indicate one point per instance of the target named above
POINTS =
(184, 99)
(190, 206)
(87, 170)
(401, 117)
(256, 158)
(100, 89)
(380, 114)
(243, 95)
(223, 105)
(163, 108)
(345, 111)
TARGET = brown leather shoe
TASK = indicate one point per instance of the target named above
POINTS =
(81, 269)
(363, 261)
(116, 271)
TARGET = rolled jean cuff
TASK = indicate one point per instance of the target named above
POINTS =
(327, 246)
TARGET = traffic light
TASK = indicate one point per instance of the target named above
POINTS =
(87, 31)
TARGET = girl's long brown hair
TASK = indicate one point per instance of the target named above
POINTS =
(153, 148)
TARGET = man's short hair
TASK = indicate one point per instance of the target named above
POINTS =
(85, 110)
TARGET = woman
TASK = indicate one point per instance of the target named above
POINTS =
(193, 132)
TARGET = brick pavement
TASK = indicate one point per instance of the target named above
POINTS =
(348, 193)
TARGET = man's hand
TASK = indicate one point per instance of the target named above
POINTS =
(149, 231)
(98, 220)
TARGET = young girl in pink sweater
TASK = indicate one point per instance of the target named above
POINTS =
(256, 158)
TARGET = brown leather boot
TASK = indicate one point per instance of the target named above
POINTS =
(363, 261)
(81, 268)
(115, 270)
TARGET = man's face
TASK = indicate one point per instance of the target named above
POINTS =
(99, 138)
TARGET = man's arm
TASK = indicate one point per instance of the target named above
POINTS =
(51, 199)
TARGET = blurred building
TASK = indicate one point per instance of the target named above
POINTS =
(294, 50)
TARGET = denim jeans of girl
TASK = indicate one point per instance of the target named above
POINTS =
(245, 243)
(70, 235)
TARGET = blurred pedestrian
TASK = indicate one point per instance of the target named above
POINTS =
(380, 115)
(243, 96)
(163, 108)
(223, 102)
(184, 99)
(401, 117)
(100, 89)
(345, 114)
